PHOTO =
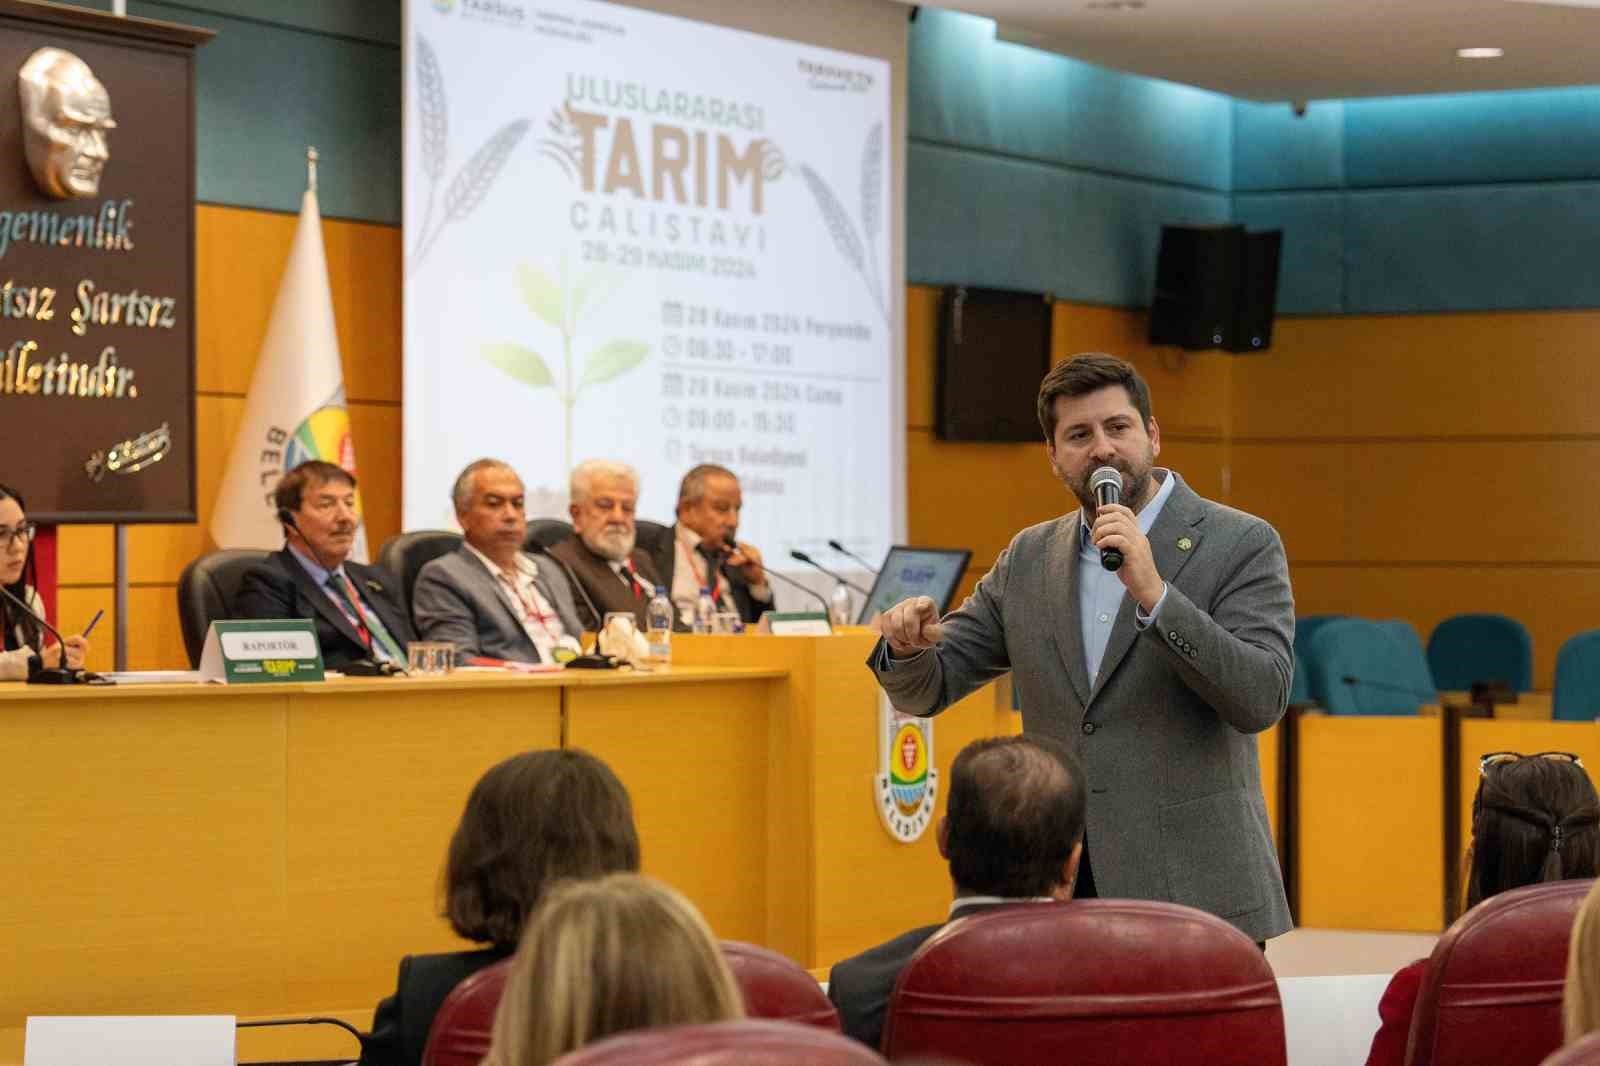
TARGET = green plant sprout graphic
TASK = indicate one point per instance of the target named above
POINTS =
(562, 307)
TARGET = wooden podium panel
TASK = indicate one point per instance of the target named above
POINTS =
(1370, 822)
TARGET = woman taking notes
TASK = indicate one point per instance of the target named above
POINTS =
(25, 651)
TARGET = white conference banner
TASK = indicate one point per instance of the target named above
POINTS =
(638, 237)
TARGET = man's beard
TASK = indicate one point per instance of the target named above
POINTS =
(612, 542)
(1136, 485)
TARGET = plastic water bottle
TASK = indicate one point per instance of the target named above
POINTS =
(839, 605)
(705, 612)
(659, 616)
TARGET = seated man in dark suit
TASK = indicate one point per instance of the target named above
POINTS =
(1013, 834)
(489, 597)
(703, 552)
(357, 617)
(617, 574)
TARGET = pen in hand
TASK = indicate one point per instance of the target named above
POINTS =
(92, 623)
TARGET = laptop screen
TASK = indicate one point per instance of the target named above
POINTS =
(907, 572)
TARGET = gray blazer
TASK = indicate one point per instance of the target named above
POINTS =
(1175, 805)
(456, 599)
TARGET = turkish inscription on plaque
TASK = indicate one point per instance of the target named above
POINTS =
(97, 369)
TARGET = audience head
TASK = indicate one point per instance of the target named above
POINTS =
(319, 510)
(1580, 1001)
(535, 819)
(1014, 823)
(603, 497)
(708, 503)
(1533, 820)
(604, 957)
(489, 501)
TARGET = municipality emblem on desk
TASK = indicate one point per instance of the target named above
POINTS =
(907, 783)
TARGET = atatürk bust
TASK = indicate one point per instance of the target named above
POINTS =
(65, 115)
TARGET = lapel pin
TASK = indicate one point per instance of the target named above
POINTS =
(1184, 544)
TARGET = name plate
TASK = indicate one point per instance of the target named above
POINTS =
(261, 652)
(797, 624)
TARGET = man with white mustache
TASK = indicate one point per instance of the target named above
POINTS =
(617, 574)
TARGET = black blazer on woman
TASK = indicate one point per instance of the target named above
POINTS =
(400, 1025)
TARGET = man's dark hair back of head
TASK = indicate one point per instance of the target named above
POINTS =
(1016, 811)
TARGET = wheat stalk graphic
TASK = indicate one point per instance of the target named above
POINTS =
(471, 183)
(842, 228)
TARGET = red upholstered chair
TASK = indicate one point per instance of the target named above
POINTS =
(1492, 990)
(775, 987)
(462, 1029)
(746, 1043)
(1088, 983)
(1585, 1052)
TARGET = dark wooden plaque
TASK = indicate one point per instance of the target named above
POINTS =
(97, 325)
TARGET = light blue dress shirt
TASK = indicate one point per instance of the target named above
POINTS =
(320, 574)
(1100, 591)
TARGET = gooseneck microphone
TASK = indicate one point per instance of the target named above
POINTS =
(1389, 686)
(842, 550)
(807, 589)
(802, 557)
(52, 675)
(577, 586)
(1106, 484)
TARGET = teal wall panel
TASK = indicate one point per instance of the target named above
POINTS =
(1311, 274)
(1473, 139)
(1512, 247)
(266, 90)
(979, 219)
(1275, 150)
(968, 89)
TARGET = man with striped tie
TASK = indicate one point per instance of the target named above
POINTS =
(604, 555)
(357, 617)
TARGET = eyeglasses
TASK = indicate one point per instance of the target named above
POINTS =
(22, 534)
(1500, 758)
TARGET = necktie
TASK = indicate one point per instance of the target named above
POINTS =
(632, 579)
(713, 572)
(374, 634)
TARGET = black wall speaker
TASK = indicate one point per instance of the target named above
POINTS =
(1216, 287)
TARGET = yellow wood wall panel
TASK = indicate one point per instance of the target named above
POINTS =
(364, 268)
(406, 759)
(85, 555)
(977, 495)
(1302, 489)
(1520, 373)
(239, 260)
(922, 346)
(1371, 857)
(376, 430)
(1553, 602)
(147, 836)
(155, 641)
(1499, 501)
(693, 759)
(1189, 391)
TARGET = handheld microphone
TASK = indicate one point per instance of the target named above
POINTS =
(1106, 484)
(52, 675)
(802, 557)
(577, 586)
(842, 550)
(807, 589)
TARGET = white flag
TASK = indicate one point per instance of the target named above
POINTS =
(296, 408)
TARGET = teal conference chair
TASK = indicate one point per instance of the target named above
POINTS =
(1357, 666)
(1577, 695)
(1470, 648)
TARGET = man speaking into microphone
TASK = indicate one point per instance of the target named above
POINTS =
(1149, 628)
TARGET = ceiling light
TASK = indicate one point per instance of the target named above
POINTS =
(1480, 53)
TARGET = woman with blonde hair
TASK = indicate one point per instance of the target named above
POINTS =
(603, 957)
(1580, 1001)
